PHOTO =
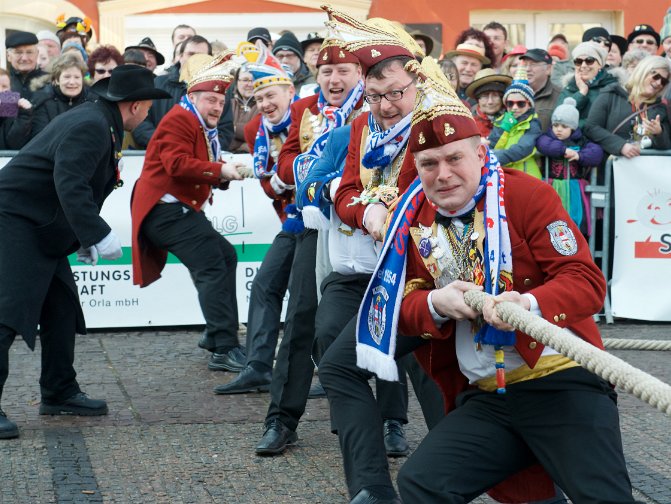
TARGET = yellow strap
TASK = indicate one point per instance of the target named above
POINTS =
(544, 367)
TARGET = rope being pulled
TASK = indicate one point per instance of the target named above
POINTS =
(621, 374)
(636, 344)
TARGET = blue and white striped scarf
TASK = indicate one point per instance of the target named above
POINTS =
(382, 146)
(211, 133)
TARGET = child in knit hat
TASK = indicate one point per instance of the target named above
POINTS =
(513, 137)
(571, 157)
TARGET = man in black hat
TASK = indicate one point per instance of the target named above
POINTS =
(288, 51)
(311, 46)
(51, 194)
(261, 34)
(539, 69)
(644, 37)
(22, 59)
(153, 57)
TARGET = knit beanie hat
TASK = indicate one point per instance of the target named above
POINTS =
(47, 35)
(521, 86)
(288, 42)
(558, 50)
(567, 114)
(665, 32)
(75, 42)
(590, 50)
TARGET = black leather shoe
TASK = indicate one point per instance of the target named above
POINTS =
(276, 438)
(8, 429)
(206, 342)
(234, 360)
(394, 439)
(78, 404)
(316, 391)
(249, 380)
(366, 497)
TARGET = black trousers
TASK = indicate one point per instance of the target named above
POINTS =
(568, 421)
(293, 369)
(354, 412)
(341, 298)
(210, 259)
(58, 322)
(265, 300)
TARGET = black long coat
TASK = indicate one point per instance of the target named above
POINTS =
(51, 194)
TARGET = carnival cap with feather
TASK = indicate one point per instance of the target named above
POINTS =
(216, 75)
(439, 117)
(265, 68)
(372, 41)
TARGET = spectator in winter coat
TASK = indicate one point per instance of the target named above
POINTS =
(66, 91)
(487, 88)
(513, 138)
(589, 78)
(571, 159)
(623, 121)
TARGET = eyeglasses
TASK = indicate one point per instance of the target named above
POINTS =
(29, 52)
(103, 71)
(391, 96)
(645, 41)
(519, 103)
(602, 40)
(659, 77)
(588, 61)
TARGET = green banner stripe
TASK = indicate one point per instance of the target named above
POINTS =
(248, 252)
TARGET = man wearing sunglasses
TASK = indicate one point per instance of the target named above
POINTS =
(644, 37)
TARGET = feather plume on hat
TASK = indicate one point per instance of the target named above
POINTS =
(215, 75)
(439, 116)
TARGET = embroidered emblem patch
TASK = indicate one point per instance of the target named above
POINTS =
(325, 57)
(448, 129)
(341, 55)
(378, 313)
(312, 190)
(422, 139)
(374, 53)
(216, 88)
(562, 238)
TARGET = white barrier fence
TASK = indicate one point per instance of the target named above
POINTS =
(641, 281)
(243, 214)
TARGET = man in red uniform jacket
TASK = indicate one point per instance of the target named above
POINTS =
(265, 135)
(182, 166)
(471, 225)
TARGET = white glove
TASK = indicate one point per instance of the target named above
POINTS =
(88, 255)
(278, 186)
(109, 247)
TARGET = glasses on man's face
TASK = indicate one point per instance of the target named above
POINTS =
(103, 71)
(641, 41)
(29, 53)
(602, 40)
(520, 104)
(390, 96)
(588, 61)
(660, 78)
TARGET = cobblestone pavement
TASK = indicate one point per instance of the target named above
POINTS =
(169, 439)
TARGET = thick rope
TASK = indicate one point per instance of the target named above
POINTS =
(636, 344)
(621, 374)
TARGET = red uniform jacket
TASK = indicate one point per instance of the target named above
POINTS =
(279, 200)
(176, 162)
(351, 185)
(292, 146)
(569, 290)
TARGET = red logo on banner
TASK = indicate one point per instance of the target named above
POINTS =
(649, 249)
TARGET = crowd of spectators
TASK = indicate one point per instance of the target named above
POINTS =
(618, 86)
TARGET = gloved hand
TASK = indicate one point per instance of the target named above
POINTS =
(109, 247)
(88, 255)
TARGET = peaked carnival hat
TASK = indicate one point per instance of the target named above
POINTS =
(439, 116)
(216, 75)
(372, 41)
(265, 68)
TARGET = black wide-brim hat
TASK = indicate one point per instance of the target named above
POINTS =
(129, 83)
(146, 43)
